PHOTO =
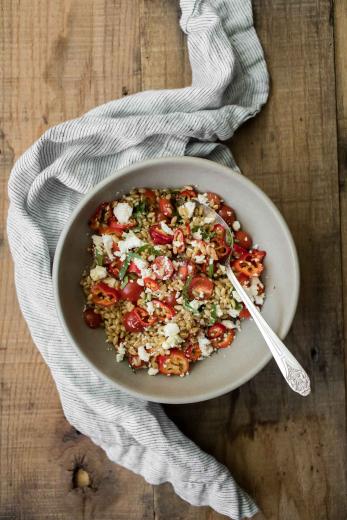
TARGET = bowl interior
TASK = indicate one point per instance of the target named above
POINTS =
(228, 368)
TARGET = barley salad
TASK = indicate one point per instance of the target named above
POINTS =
(157, 283)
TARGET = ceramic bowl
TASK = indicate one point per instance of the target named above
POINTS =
(225, 370)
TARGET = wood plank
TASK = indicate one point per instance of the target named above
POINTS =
(59, 59)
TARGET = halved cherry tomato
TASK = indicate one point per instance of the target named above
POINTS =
(151, 284)
(249, 265)
(216, 330)
(135, 362)
(244, 314)
(186, 269)
(114, 267)
(193, 352)
(101, 216)
(201, 288)
(243, 239)
(175, 363)
(219, 231)
(92, 319)
(131, 292)
(137, 320)
(258, 254)
(171, 299)
(165, 207)
(133, 268)
(169, 311)
(163, 268)
(150, 196)
(227, 214)
(222, 249)
(238, 251)
(159, 237)
(178, 242)
(104, 295)
(191, 194)
(224, 341)
(243, 279)
(214, 198)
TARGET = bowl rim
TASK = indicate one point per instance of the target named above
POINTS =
(148, 163)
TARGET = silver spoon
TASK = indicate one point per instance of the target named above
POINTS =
(291, 369)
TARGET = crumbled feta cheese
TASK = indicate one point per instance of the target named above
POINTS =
(236, 296)
(205, 346)
(197, 235)
(130, 241)
(202, 198)
(179, 300)
(123, 212)
(199, 259)
(108, 243)
(152, 371)
(234, 312)
(236, 225)
(140, 282)
(120, 352)
(143, 355)
(209, 219)
(195, 304)
(219, 311)
(229, 324)
(140, 263)
(98, 273)
(111, 282)
(98, 244)
(166, 228)
(171, 329)
(150, 308)
(190, 207)
(171, 341)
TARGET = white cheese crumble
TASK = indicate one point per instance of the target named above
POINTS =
(202, 198)
(190, 207)
(143, 354)
(195, 304)
(229, 324)
(123, 212)
(150, 307)
(166, 228)
(236, 225)
(111, 282)
(131, 241)
(205, 346)
(199, 259)
(171, 329)
(234, 312)
(98, 273)
(120, 352)
(152, 371)
(219, 311)
(108, 243)
(209, 219)
(197, 235)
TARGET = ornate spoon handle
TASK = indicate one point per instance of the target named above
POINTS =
(291, 369)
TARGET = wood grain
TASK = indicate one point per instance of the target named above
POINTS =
(58, 60)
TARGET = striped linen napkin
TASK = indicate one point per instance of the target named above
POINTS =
(229, 85)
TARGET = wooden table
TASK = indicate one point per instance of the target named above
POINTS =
(62, 58)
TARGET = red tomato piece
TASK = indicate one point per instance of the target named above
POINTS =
(151, 284)
(92, 319)
(165, 207)
(131, 292)
(220, 231)
(214, 199)
(224, 341)
(104, 295)
(135, 362)
(243, 279)
(201, 288)
(163, 268)
(259, 255)
(171, 299)
(249, 265)
(137, 320)
(168, 309)
(193, 352)
(190, 194)
(227, 214)
(216, 331)
(175, 363)
(186, 269)
(100, 217)
(114, 267)
(150, 196)
(178, 242)
(243, 239)
(159, 237)
(239, 251)
(222, 249)
(244, 314)
(133, 268)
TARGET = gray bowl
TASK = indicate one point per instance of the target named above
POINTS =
(228, 368)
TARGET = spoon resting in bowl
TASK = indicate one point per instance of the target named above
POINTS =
(291, 369)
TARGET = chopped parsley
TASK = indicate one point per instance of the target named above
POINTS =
(124, 282)
(213, 314)
(140, 208)
(150, 249)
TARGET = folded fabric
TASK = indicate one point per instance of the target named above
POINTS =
(229, 85)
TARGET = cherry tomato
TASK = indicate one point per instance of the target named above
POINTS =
(238, 251)
(243, 239)
(150, 196)
(163, 268)
(243, 279)
(100, 217)
(224, 341)
(214, 199)
(178, 242)
(249, 265)
(151, 284)
(165, 207)
(92, 319)
(216, 331)
(219, 231)
(137, 320)
(114, 267)
(244, 314)
(193, 352)
(222, 249)
(113, 223)
(201, 288)
(171, 299)
(227, 214)
(131, 292)
(186, 269)
(133, 269)
(159, 237)
(104, 295)
(166, 309)
(190, 194)
(135, 362)
(175, 363)
(259, 255)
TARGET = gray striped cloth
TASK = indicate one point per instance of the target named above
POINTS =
(229, 85)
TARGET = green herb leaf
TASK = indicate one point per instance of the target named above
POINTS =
(124, 282)
(140, 208)
(124, 268)
(99, 257)
(150, 249)
(213, 314)
(229, 238)
(210, 271)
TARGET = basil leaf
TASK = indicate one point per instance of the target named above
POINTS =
(151, 250)
(124, 268)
